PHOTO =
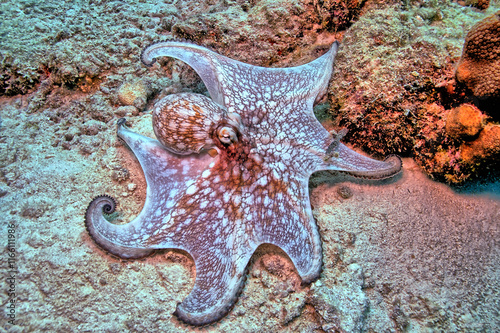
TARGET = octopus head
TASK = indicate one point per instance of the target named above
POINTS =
(189, 123)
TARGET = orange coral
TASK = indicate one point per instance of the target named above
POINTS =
(465, 121)
(483, 4)
(479, 67)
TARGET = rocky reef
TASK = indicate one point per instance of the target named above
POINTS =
(80, 44)
(395, 84)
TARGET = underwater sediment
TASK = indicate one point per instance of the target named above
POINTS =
(408, 254)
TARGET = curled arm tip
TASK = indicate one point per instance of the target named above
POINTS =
(100, 230)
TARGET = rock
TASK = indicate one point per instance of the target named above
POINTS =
(134, 93)
(344, 192)
(343, 306)
(269, 32)
(394, 83)
(128, 110)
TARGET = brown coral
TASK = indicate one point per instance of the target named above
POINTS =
(479, 67)
(465, 121)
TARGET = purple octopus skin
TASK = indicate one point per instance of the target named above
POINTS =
(220, 208)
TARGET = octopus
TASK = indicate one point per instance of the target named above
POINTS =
(230, 172)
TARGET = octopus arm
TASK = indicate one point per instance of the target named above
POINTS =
(167, 176)
(203, 61)
(310, 81)
(106, 234)
(297, 233)
(220, 277)
(355, 164)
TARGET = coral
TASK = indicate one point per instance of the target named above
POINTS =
(479, 66)
(485, 149)
(483, 4)
(466, 147)
(397, 97)
(444, 165)
(465, 121)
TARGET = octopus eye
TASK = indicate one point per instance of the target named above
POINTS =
(227, 135)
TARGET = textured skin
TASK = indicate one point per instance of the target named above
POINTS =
(182, 122)
(254, 191)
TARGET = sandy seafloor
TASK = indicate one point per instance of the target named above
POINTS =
(404, 254)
